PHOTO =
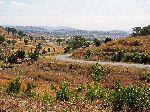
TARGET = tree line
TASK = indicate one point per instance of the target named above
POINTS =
(139, 31)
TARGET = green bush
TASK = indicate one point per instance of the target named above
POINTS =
(87, 54)
(34, 56)
(12, 59)
(63, 93)
(137, 57)
(97, 72)
(20, 54)
(132, 98)
(95, 92)
(14, 86)
(29, 89)
(118, 55)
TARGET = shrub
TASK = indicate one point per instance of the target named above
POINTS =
(12, 59)
(13, 42)
(39, 46)
(132, 98)
(49, 50)
(44, 51)
(14, 86)
(118, 55)
(63, 93)
(47, 97)
(66, 49)
(20, 54)
(87, 54)
(138, 57)
(97, 42)
(95, 92)
(2, 39)
(34, 56)
(26, 41)
(29, 89)
(145, 77)
(97, 72)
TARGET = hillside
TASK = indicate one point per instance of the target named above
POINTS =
(129, 47)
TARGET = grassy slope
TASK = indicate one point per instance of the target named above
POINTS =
(104, 51)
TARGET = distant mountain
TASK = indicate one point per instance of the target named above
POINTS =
(64, 31)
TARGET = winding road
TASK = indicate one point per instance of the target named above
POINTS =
(65, 57)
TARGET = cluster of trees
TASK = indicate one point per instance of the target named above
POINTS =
(14, 31)
(77, 42)
(139, 31)
(98, 42)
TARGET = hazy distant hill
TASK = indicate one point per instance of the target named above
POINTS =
(64, 31)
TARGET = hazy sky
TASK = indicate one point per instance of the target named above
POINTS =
(83, 14)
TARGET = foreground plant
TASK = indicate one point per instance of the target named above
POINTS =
(29, 89)
(95, 92)
(63, 93)
(97, 72)
(14, 86)
(132, 98)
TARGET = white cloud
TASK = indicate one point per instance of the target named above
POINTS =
(19, 4)
(1, 2)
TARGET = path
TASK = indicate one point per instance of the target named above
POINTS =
(64, 57)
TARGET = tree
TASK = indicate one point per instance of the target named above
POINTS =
(14, 31)
(13, 42)
(21, 34)
(2, 39)
(59, 41)
(136, 31)
(31, 37)
(26, 41)
(39, 46)
(8, 30)
(20, 54)
(107, 40)
(77, 42)
(97, 42)
(12, 59)
(48, 49)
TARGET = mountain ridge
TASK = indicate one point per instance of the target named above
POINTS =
(65, 31)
